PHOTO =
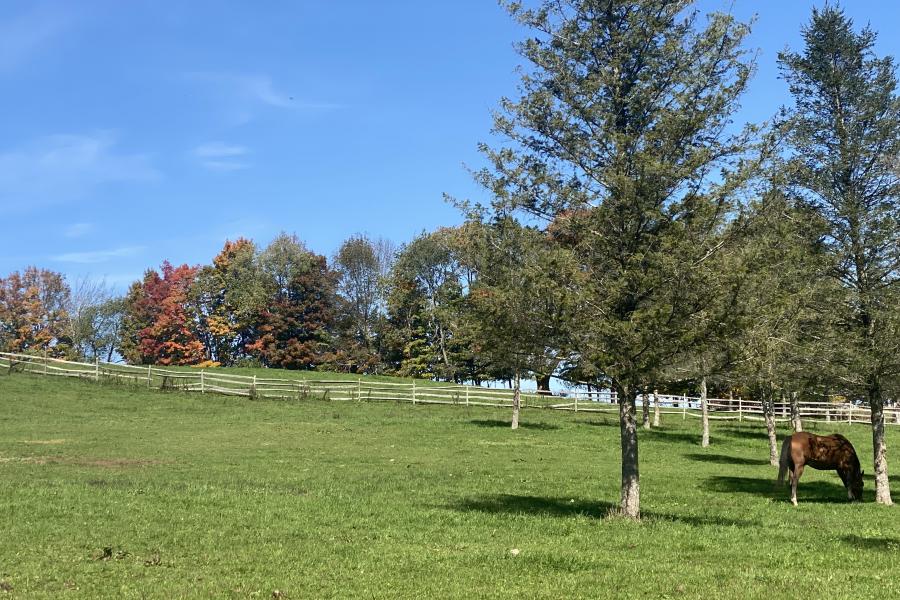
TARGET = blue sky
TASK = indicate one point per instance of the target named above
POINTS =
(135, 132)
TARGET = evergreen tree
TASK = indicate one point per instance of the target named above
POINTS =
(623, 127)
(519, 303)
(778, 291)
(844, 135)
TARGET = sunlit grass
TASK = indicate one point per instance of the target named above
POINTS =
(112, 491)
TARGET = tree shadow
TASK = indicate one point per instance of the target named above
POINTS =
(593, 423)
(744, 434)
(818, 492)
(499, 423)
(726, 460)
(872, 543)
(664, 434)
(514, 504)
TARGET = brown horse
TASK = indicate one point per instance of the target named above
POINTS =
(824, 452)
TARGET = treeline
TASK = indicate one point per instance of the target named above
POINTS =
(371, 309)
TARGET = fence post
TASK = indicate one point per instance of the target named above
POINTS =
(149, 376)
(359, 389)
(467, 396)
(414, 391)
(45, 362)
(683, 407)
(253, 388)
(202, 382)
(576, 401)
(740, 410)
(96, 368)
(850, 414)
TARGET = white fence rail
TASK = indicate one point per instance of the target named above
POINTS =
(214, 381)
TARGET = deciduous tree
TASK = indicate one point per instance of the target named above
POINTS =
(33, 313)
(157, 326)
(294, 329)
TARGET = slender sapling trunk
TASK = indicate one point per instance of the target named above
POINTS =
(704, 409)
(795, 412)
(645, 406)
(516, 401)
(655, 408)
(768, 405)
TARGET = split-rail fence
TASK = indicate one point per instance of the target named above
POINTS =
(215, 381)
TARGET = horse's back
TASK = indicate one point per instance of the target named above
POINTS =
(820, 451)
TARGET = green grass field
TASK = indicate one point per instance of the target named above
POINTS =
(114, 492)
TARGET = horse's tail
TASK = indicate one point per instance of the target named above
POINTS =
(785, 458)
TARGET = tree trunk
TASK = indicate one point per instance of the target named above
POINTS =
(630, 503)
(768, 405)
(543, 384)
(516, 400)
(645, 407)
(882, 486)
(704, 409)
(655, 408)
(795, 412)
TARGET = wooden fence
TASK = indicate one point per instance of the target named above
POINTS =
(214, 381)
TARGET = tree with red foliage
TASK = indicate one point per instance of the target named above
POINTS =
(158, 327)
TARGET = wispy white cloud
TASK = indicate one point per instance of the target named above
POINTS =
(219, 150)
(243, 94)
(98, 256)
(76, 230)
(219, 156)
(61, 168)
(29, 33)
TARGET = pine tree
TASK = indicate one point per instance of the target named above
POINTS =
(621, 138)
(844, 135)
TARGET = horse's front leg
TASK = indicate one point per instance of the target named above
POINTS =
(795, 478)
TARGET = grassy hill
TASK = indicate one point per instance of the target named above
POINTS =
(113, 491)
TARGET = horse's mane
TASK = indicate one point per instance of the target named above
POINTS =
(854, 460)
(840, 437)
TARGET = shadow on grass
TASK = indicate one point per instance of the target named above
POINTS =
(595, 423)
(819, 492)
(666, 435)
(726, 460)
(745, 433)
(562, 507)
(506, 424)
(873, 543)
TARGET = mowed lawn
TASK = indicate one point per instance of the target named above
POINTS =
(113, 492)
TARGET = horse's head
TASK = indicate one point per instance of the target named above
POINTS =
(855, 489)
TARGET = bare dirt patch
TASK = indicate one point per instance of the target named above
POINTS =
(35, 460)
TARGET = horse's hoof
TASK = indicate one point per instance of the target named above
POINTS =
(794, 502)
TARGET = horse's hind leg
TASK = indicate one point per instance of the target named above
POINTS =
(795, 477)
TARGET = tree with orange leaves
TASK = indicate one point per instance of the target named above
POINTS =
(33, 314)
(226, 297)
